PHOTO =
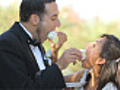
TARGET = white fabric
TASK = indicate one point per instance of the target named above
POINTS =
(38, 57)
(35, 50)
(47, 57)
(49, 61)
(80, 85)
(110, 86)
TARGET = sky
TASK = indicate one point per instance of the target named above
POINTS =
(106, 10)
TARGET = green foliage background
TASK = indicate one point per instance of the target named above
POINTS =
(79, 31)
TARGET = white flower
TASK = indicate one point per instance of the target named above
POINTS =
(52, 35)
(48, 54)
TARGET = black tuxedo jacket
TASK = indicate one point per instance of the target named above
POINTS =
(18, 67)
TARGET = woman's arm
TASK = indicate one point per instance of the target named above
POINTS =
(74, 77)
(56, 46)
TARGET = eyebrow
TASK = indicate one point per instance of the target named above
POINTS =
(54, 15)
(98, 41)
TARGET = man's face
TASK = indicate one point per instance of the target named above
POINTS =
(93, 50)
(49, 22)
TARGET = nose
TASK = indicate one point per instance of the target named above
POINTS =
(90, 44)
(58, 23)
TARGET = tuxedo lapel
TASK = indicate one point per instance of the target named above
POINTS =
(32, 64)
(23, 37)
(43, 54)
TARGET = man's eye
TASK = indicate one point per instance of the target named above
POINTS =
(53, 19)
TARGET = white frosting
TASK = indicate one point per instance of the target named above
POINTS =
(83, 53)
(52, 35)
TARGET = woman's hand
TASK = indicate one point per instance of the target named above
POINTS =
(62, 38)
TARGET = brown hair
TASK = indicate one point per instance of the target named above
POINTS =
(110, 71)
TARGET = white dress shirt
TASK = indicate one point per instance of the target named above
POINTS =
(35, 50)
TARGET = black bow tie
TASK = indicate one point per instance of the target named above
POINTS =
(34, 42)
(41, 48)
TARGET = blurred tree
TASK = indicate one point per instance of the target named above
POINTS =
(8, 16)
(79, 31)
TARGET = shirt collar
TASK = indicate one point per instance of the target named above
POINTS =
(30, 35)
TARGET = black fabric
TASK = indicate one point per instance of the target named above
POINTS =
(33, 42)
(18, 67)
(41, 48)
(43, 54)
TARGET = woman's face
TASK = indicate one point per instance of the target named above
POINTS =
(93, 50)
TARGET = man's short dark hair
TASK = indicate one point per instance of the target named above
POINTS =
(48, 1)
(29, 7)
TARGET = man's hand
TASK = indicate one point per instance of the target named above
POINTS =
(70, 55)
(62, 38)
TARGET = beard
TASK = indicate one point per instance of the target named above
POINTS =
(38, 31)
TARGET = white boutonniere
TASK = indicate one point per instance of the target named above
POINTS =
(48, 56)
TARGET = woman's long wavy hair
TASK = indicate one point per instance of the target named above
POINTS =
(110, 71)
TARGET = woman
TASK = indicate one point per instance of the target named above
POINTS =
(102, 59)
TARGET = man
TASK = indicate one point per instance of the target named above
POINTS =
(22, 63)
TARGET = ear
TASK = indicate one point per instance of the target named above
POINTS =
(34, 19)
(101, 61)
